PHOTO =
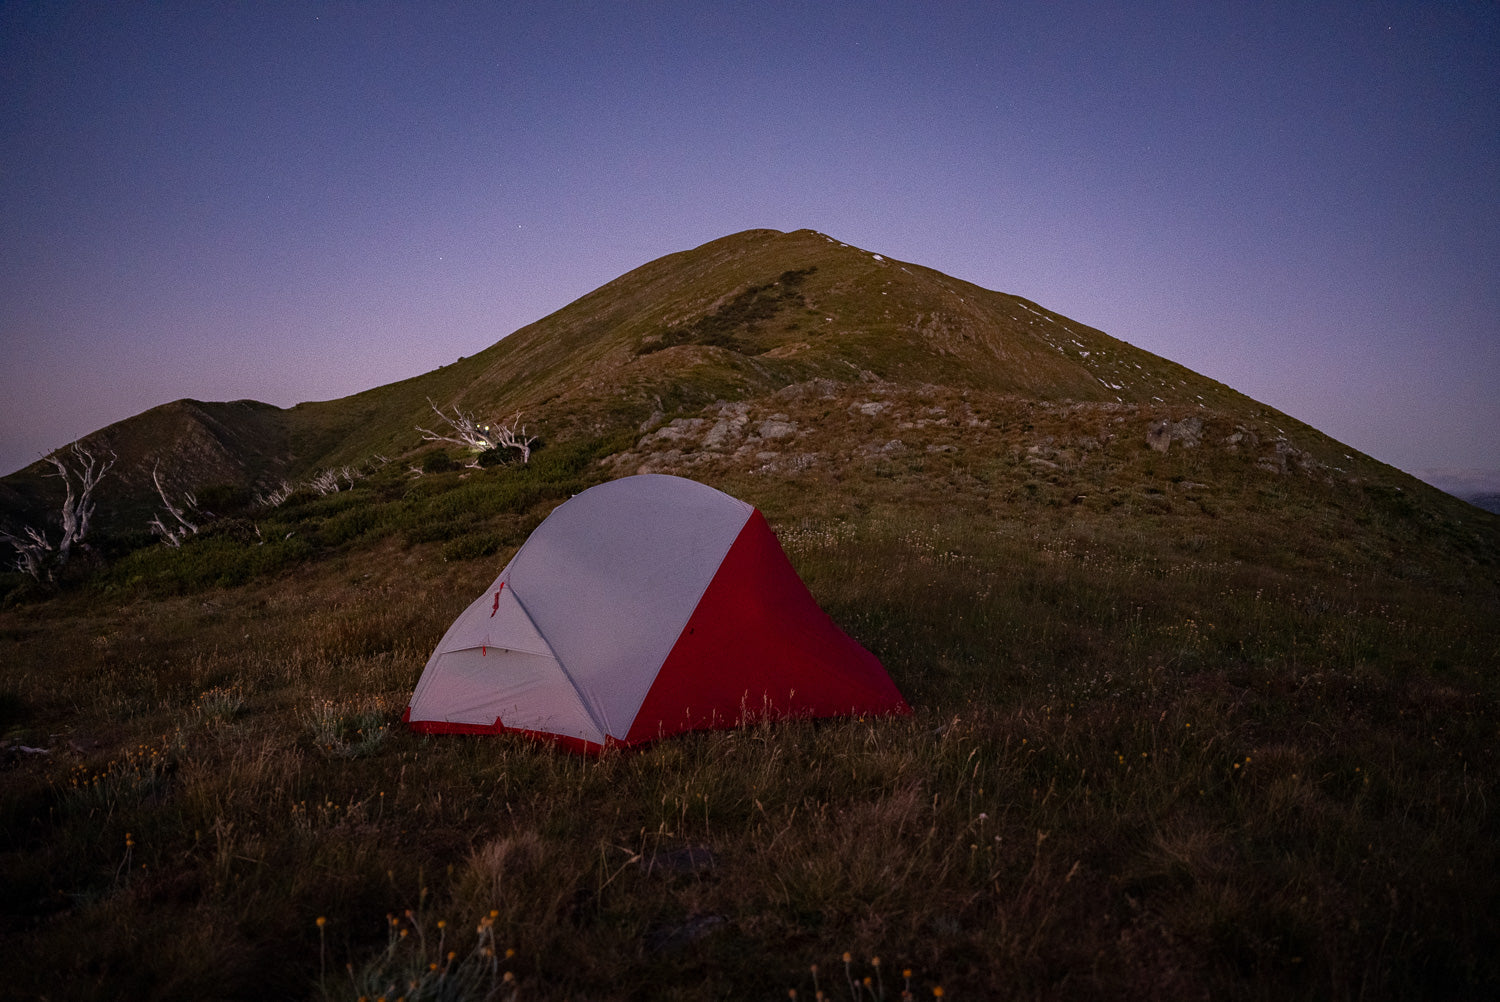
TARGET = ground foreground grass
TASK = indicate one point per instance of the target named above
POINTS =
(1136, 769)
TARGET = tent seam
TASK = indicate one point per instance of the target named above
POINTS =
(677, 634)
(515, 595)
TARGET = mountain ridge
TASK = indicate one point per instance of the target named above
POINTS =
(739, 317)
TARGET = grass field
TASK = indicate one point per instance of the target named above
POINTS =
(1235, 739)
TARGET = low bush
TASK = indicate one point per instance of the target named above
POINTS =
(438, 461)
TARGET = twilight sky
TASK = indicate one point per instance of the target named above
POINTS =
(298, 201)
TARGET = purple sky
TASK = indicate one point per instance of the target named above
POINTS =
(300, 201)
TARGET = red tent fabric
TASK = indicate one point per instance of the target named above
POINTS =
(645, 607)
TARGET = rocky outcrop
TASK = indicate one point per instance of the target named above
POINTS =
(1188, 431)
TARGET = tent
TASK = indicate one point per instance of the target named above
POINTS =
(644, 607)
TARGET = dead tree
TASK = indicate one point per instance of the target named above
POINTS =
(325, 482)
(36, 554)
(274, 497)
(466, 431)
(32, 551)
(508, 437)
(181, 527)
(78, 505)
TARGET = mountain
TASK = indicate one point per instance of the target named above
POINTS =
(734, 320)
(1204, 701)
(1489, 502)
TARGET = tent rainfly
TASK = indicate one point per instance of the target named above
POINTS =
(645, 607)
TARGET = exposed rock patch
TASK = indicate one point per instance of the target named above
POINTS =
(1241, 437)
(777, 426)
(1188, 431)
(820, 388)
(677, 430)
(1286, 459)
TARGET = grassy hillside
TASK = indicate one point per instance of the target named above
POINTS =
(740, 316)
(1206, 704)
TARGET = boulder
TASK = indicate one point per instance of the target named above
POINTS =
(1188, 431)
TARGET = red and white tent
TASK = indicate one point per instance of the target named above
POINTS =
(640, 608)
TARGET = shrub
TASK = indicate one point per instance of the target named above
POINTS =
(223, 499)
(438, 461)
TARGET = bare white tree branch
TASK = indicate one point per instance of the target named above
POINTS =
(181, 527)
(274, 497)
(78, 506)
(325, 482)
(328, 481)
(31, 551)
(465, 430)
(508, 437)
(35, 553)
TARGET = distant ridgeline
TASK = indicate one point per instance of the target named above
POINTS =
(1489, 502)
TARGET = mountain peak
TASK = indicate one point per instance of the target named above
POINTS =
(743, 317)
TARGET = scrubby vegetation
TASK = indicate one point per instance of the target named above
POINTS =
(474, 511)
